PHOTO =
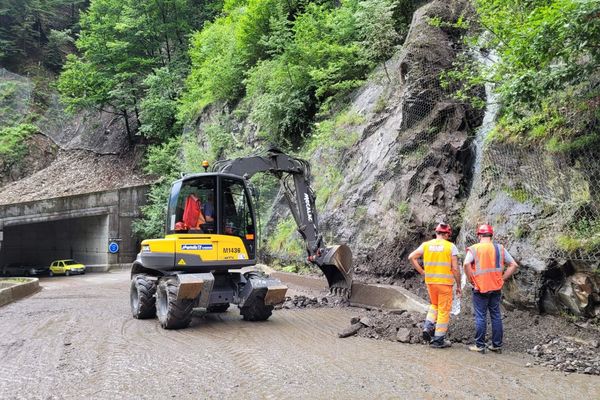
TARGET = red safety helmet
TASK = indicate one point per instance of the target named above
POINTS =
(443, 228)
(485, 229)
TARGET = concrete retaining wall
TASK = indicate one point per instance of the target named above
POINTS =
(17, 291)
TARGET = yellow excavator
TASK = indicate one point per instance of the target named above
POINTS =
(207, 255)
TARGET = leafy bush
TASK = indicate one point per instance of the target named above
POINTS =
(281, 102)
(290, 58)
(158, 110)
(13, 145)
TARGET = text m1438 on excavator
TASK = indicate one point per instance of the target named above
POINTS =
(206, 258)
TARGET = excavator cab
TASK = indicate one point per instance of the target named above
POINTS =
(211, 217)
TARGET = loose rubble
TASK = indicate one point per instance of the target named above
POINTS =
(554, 343)
(567, 355)
(301, 301)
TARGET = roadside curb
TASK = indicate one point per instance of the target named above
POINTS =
(18, 291)
(363, 295)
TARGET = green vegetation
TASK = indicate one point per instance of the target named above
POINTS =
(37, 30)
(163, 161)
(286, 240)
(131, 59)
(403, 210)
(12, 96)
(13, 145)
(290, 59)
(547, 71)
(159, 64)
(583, 235)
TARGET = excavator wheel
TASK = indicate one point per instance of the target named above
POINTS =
(142, 297)
(172, 313)
(256, 310)
(218, 308)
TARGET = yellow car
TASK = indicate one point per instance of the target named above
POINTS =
(67, 267)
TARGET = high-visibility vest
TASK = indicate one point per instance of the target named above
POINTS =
(487, 266)
(437, 262)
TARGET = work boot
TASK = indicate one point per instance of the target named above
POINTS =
(427, 336)
(477, 349)
(495, 349)
(440, 345)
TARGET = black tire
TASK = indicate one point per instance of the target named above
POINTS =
(217, 308)
(142, 296)
(172, 313)
(50, 273)
(67, 273)
(256, 310)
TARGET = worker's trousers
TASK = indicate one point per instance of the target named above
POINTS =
(482, 303)
(438, 316)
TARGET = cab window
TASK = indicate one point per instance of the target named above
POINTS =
(192, 206)
(237, 214)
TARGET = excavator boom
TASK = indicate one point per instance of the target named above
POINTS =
(335, 261)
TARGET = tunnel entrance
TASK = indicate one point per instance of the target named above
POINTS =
(83, 239)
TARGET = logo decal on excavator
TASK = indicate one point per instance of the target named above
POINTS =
(196, 247)
(181, 261)
(308, 207)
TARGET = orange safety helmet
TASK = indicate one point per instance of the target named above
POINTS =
(485, 229)
(443, 228)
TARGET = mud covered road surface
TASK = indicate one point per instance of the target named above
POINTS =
(76, 339)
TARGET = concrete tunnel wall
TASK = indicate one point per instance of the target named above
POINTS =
(79, 227)
(82, 239)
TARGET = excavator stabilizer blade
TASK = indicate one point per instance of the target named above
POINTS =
(336, 264)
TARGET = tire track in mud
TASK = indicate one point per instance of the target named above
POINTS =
(257, 374)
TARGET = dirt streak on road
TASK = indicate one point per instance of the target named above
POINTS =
(76, 339)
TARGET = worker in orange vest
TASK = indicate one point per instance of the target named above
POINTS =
(440, 268)
(484, 264)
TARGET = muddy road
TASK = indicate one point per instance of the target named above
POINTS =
(76, 339)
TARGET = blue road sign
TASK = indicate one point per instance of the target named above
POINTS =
(113, 247)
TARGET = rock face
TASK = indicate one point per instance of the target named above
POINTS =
(98, 133)
(412, 166)
(420, 159)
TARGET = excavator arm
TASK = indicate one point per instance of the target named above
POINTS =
(335, 261)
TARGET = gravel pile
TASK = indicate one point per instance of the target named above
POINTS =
(554, 342)
(569, 355)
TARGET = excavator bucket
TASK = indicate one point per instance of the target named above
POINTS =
(336, 264)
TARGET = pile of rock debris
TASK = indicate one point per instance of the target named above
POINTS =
(563, 353)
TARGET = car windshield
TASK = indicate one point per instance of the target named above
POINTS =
(69, 262)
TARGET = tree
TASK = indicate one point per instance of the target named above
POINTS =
(26, 26)
(377, 31)
(122, 43)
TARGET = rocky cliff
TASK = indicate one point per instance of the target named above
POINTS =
(418, 157)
